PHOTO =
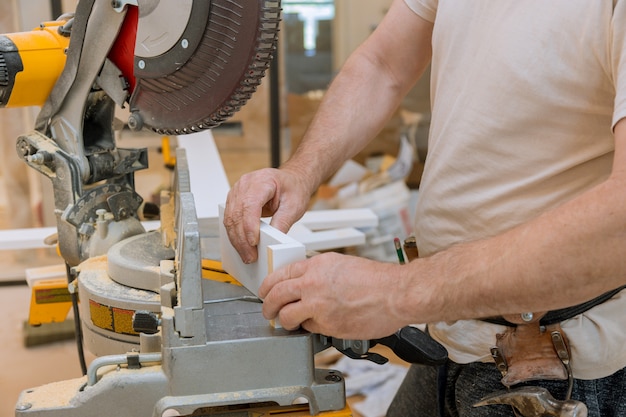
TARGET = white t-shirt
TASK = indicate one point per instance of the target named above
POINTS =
(525, 95)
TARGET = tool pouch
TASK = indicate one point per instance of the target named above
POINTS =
(528, 352)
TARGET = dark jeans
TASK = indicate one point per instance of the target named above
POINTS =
(467, 384)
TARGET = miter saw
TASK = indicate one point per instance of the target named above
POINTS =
(179, 65)
(169, 343)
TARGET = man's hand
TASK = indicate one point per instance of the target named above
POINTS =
(264, 193)
(336, 295)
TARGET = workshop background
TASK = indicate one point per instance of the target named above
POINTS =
(316, 38)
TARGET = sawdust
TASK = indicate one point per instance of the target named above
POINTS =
(167, 223)
(57, 394)
(94, 274)
(97, 262)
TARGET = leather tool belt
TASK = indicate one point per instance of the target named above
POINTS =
(534, 347)
(530, 351)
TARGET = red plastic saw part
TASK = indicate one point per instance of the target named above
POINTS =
(123, 50)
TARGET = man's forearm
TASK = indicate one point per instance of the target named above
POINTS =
(567, 256)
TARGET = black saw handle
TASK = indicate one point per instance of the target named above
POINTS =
(414, 346)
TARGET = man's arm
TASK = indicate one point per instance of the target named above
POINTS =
(566, 256)
(356, 107)
(365, 93)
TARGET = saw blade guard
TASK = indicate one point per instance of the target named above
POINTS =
(196, 63)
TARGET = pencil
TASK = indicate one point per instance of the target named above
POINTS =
(396, 242)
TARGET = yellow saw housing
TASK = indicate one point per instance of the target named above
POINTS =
(30, 64)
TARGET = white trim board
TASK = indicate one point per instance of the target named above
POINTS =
(276, 250)
(331, 229)
(33, 238)
(209, 183)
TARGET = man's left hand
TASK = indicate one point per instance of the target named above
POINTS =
(336, 295)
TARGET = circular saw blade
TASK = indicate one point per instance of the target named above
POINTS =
(231, 43)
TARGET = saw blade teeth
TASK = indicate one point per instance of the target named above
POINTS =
(212, 85)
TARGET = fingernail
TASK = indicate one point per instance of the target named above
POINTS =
(249, 259)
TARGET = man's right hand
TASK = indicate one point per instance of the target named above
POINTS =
(278, 193)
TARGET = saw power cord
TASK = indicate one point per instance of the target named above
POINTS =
(77, 327)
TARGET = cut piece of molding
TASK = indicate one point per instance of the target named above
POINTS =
(320, 230)
(276, 250)
(333, 219)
